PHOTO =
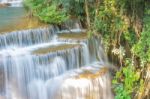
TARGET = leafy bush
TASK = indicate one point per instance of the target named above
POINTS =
(142, 48)
(116, 21)
(46, 11)
(50, 14)
(125, 81)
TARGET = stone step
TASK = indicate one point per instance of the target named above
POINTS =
(43, 61)
(73, 55)
(36, 36)
(96, 53)
(55, 48)
(76, 37)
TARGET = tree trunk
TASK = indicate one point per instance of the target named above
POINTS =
(87, 14)
(97, 7)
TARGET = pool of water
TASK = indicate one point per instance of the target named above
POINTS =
(16, 18)
(10, 15)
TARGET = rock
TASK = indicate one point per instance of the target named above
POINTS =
(2, 5)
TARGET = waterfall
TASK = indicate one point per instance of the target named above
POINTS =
(43, 64)
(12, 3)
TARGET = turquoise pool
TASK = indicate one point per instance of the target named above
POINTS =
(10, 15)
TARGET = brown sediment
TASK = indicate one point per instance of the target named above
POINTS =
(76, 36)
(54, 48)
(89, 75)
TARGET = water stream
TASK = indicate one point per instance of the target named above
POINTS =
(38, 64)
(50, 63)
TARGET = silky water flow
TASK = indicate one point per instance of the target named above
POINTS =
(38, 64)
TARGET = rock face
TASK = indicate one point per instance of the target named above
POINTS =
(4, 5)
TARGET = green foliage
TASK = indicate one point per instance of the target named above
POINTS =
(116, 21)
(62, 9)
(142, 48)
(111, 23)
(106, 17)
(130, 36)
(50, 14)
(33, 4)
(121, 92)
(125, 81)
(121, 17)
(73, 7)
(46, 11)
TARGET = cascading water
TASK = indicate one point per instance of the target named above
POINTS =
(12, 3)
(39, 64)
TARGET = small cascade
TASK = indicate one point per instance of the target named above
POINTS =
(71, 26)
(47, 63)
(12, 3)
(26, 37)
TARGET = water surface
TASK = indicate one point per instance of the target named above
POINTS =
(10, 15)
(16, 18)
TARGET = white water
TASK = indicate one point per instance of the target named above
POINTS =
(30, 70)
(13, 3)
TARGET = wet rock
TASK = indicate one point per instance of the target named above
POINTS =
(89, 75)
(2, 5)
(55, 48)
